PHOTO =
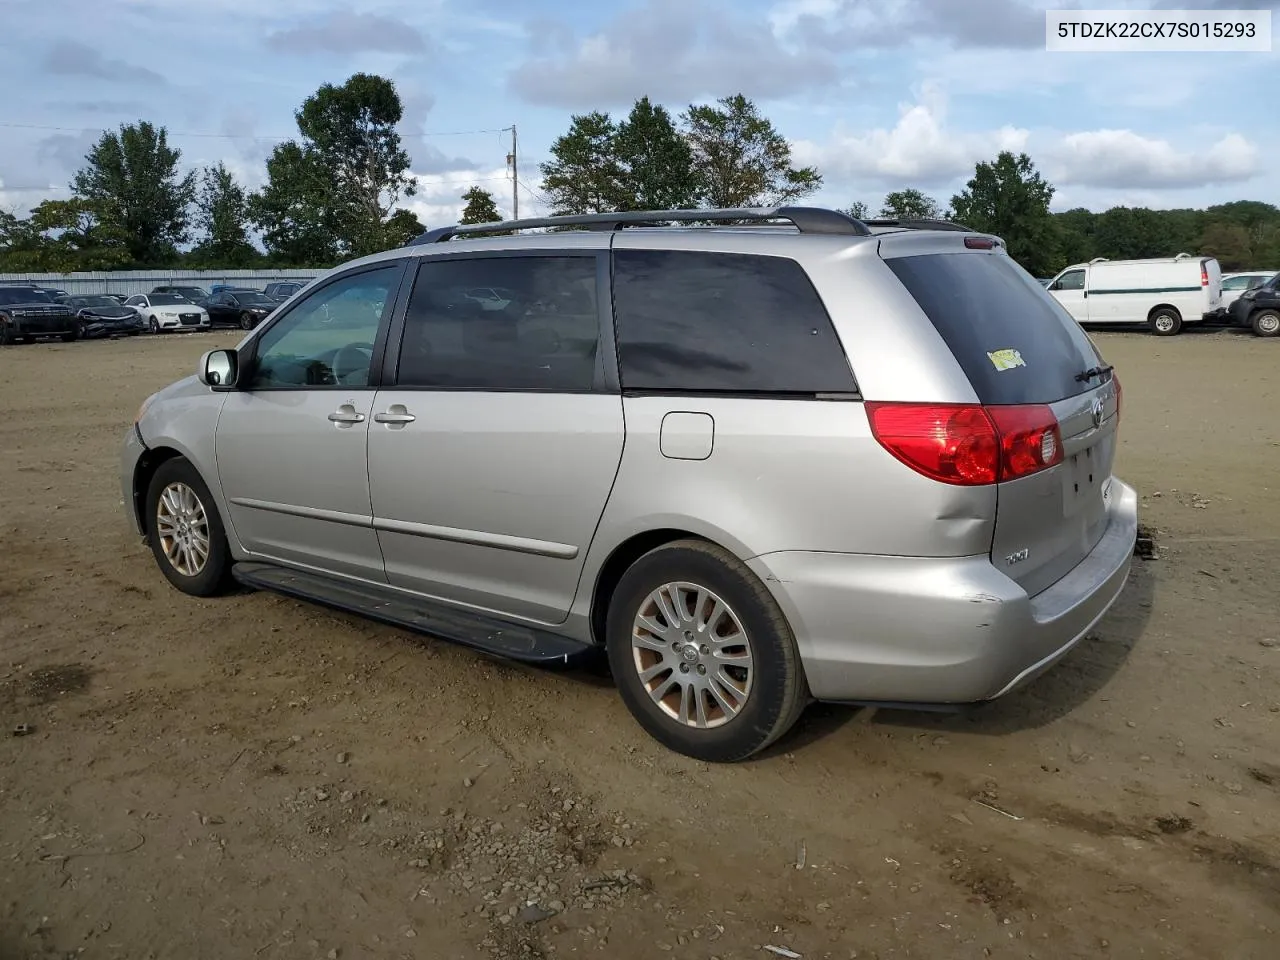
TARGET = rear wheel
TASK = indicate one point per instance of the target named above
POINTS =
(76, 333)
(1165, 321)
(246, 321)
(186, 533)
(1266, 323)
(702, 655)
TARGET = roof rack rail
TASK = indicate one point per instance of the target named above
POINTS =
(920, 223)
(813, 220)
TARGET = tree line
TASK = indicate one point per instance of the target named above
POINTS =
(333, 193)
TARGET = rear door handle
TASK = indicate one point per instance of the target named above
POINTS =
(396, 414)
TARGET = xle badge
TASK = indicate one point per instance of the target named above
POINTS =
(1018, 557)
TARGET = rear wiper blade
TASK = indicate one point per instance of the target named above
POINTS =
(1086, 375)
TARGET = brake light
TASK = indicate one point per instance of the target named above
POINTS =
(966, 444)
(979, 243)
(1204, 275)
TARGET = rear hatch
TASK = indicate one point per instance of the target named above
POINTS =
(1211, 278)
(1020, 349)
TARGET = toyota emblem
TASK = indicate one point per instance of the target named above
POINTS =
(1096, 410)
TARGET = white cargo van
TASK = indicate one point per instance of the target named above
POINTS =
(1163, 293)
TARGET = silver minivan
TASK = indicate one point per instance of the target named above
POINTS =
(796, 457)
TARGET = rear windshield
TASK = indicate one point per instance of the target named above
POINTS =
(167, 300)
(1011, 338)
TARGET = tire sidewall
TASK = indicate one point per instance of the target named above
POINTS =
(756, 723)
(1257, 326)
(153, 325)
(246, 322)
(212, 579)
(1165, 312)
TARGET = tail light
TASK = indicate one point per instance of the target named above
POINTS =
(968, 445)
(1204, 275)
(1119, 395)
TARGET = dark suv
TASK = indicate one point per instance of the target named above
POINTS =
(27, 313)
(1259, 308)
(283, 290)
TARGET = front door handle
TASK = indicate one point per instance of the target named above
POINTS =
(397, 414)
(346, 415)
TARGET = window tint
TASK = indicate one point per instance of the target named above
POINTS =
(502, 323)
(327, 339)
(723, 322)
(1236, 283)
(1015, 343)
(1071, 280)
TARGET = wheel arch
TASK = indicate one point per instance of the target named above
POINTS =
(1164, 306)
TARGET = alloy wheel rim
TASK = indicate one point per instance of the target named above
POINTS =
(1269, 323)
(692, 655)
(182, 527)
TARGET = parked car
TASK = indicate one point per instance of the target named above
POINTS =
(54, 292)
(1234, 284)
(217, 288)
(168, 311)
(242, 308)
(695, 449)
(28, 313)
(1164, 293)
(102, 316)
(283, 289)
(1259, 308)
(117, 297)
(194, 294)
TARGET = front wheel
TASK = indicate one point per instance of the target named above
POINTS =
(702, 655)
(186, 533)
(75, 333)
(1165, 322)
(153, 325)
(246, 321)
(1266, 323)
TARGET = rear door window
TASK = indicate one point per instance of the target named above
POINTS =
(692, 322)
(1015, 343)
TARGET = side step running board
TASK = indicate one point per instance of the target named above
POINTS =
(487, 634)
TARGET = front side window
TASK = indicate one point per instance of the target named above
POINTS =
(723, 323)
(327, 339)
(1071, 280)
(503, 323)
(1236, 283)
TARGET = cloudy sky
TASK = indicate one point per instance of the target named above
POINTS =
(879, 94)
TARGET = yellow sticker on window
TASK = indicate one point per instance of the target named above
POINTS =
(1006, 359)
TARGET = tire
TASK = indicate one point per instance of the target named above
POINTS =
(77, 333)
(1265, 323)
(187, 498)
(1165, 322)
(246, 321)
(134, 333)
(769, 696)
(153, 325)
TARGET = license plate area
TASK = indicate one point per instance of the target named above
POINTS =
(1082, 480)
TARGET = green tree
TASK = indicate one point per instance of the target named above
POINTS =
(132, 184)
(910, 204)
(858, 210)
(1229, 243)
(60, 236)
(296, 210)
(222, 214)
(480, 207)
(1009, 198)
(401, 227)
(656, 161)
(742, 159)
(349, 168)
(584, 174)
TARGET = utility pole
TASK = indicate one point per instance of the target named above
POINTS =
(515, 177)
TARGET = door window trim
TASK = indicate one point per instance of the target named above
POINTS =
(248, 352)
(605, 378)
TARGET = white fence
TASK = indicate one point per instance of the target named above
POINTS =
(143, 281)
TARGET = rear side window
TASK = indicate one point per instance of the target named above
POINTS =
(1015, 343)
(723, 323)
(526, 323)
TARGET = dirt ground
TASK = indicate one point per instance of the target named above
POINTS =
(254, 777)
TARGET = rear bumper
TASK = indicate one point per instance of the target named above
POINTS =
(941, 630)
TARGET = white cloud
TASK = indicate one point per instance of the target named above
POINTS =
(1123, 159)
(920, 150)
(438, 202)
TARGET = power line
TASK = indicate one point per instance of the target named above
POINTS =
(242, 136)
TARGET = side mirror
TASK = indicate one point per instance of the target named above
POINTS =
(218, 369)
